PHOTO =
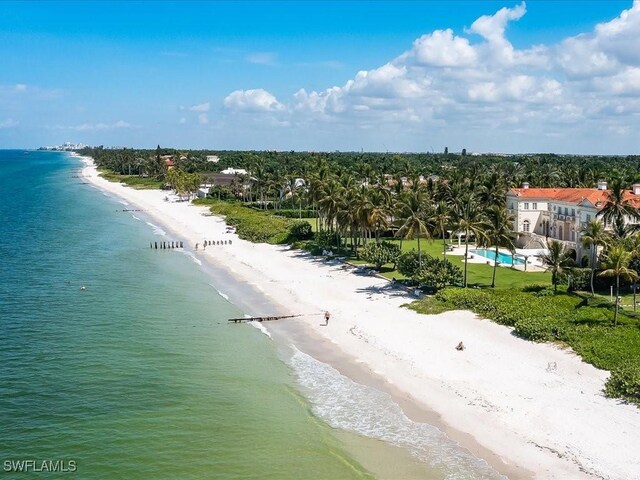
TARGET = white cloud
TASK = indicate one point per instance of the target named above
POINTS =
(203, 119)
(492, 27)
(443, 49)
(458, 84)
(262, 58)
(610, 47)
(255, 100)
(201, 107)
(8, 123)
(182, 121)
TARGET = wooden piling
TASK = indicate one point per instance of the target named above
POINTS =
(263, 319)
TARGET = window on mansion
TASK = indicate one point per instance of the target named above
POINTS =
(525, 225)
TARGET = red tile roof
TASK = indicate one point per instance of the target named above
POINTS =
(571, 195)
(568, 195)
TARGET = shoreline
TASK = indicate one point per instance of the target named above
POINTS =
(497, 399)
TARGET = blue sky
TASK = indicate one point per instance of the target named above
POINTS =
(488, 76)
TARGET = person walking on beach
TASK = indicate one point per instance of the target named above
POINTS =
(327, 316)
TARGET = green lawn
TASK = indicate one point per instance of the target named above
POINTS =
(134, 181)
(478, 273)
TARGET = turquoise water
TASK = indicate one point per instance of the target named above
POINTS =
(502, 258)
(138, 376)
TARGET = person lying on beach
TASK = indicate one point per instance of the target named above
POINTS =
(460, 346)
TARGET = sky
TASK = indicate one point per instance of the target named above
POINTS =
(488, 76)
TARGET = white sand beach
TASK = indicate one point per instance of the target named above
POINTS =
(539, 409)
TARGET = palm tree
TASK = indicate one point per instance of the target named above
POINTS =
(593, 235)
(493, 191)
(413, 209)
(441, 218)
(329, 202)
(557, 260)
(616, 264)
(617, 207)
(469, 217)
(499, 233)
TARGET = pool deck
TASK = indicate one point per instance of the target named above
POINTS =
(533, 263)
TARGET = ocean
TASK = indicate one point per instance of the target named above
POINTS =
(117, 361)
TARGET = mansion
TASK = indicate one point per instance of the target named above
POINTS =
(557, 214)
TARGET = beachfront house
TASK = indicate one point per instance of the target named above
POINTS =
(168, 161)
(542, 214)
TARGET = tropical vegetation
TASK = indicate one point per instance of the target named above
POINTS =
(400, 213)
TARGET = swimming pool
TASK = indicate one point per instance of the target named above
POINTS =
(503, 259)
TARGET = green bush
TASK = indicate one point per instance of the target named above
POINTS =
(534, 287)
(576, 278)
(545, 292)
(327, 239)
(295, 213)
(624, 382)
(252, 225)
(539, 329)
(379, 253)
(300, 230)
(438, 273)
(279, 238)
(408, 263)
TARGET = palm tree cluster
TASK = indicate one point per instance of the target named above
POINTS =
(363, 206)
(361, 197)
(185, 184)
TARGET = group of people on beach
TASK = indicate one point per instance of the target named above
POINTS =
(210, 243)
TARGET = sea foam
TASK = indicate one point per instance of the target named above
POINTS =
(350, 406)
(156, 229)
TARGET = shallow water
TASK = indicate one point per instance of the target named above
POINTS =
(137, 376)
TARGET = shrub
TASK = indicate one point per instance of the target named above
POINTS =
(295, 213)
(538, 329)
(301, 230)
(255, 226)
(327, 239)
(279, 238)
(438, 273)
(379, 253)
(624, 382)
(576, 278)
(408, 263)
(534, 287)
(545, 292)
